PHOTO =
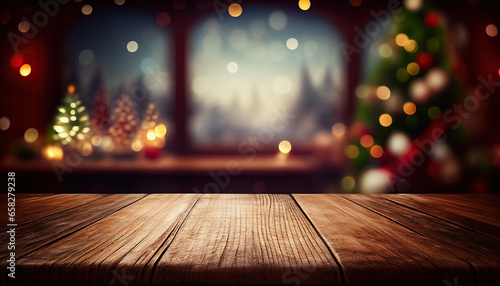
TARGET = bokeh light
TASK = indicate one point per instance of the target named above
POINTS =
(31, 135)
(304, 4)
(25, 70)
(96, 140)
(351, 151)
(375, 181)
(366, 140)
(87, 10)
(86, 57)
(362, 91)
(163, 19)
(137, 145)
(132, 46)
(232, 67)
(491, 30)
(434, 112)
(385, 120)
(413, 5)
(23, 27)
(356, 3)
(160, 130)
(348, 183)
(385, 50)
(292, 44)
(278, 20)
(409, 108)
(16, 60)
(398, 143)
(71, 88)
(282, 85)
(383, 92)
(87, 149)
(235, 10)
(413, 68)
(119, 2)
(376, 151)
(402, 75)
(401, 39)
(285, 147)
(338, 129)
(4, 123)
(411, 46)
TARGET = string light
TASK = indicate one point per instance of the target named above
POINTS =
(409, 108)
(304, 4)
(401, 39)
(235, 10)
(385, 120)
(25, 70)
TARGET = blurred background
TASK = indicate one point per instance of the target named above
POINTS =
(223, 96)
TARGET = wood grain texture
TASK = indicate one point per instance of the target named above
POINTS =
(481, 252)
(117, 247)
(240, 238)
(43, 232)
(374, 249)
(33, 207)
(477, 212)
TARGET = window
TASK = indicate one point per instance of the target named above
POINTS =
(245, 71)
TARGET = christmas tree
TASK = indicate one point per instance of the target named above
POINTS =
(125, 123)
(407, 88)
(71, 122)
(100, 116)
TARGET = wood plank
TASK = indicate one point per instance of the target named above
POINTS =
(33, 207)
(479, 213)
(243, 238)
(40, 233)
(373, 249)
(123, 242)
(481, 252)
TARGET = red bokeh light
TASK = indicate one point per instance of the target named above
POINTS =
(16, 61)
(431, 19)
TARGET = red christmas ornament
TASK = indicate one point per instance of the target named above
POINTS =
(424, 60)
(431, 19)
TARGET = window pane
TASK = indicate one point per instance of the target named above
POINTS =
(247, 72)
(122, 51)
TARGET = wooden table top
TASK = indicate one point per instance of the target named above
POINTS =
(254, 238)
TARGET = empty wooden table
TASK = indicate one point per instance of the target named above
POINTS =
(253, 238)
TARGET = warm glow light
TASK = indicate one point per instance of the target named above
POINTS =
(23, 27)
(304, 4)
(25, 70)
(96, 140)
(119, 2)
(160, 130)
(348, 183)
(413, 5)
(151, 135)
(385, 120)
(31, 135)
(292, 44)
(409, 108)
(385, 50)
(71, 88)
(52, 153)
(351, 151)
(87, 10)
(285, 147)
(235, 10)
(413, 68)
(232, 67)
(132, 46)
(491, 30)
(362, 91)
(383, 92)
(4, 123)
(137, 145)
(366, 141)
(376, 151)
(86, 149)
(411, 46)
(398, 143)
(338, 129)
(401, 39)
